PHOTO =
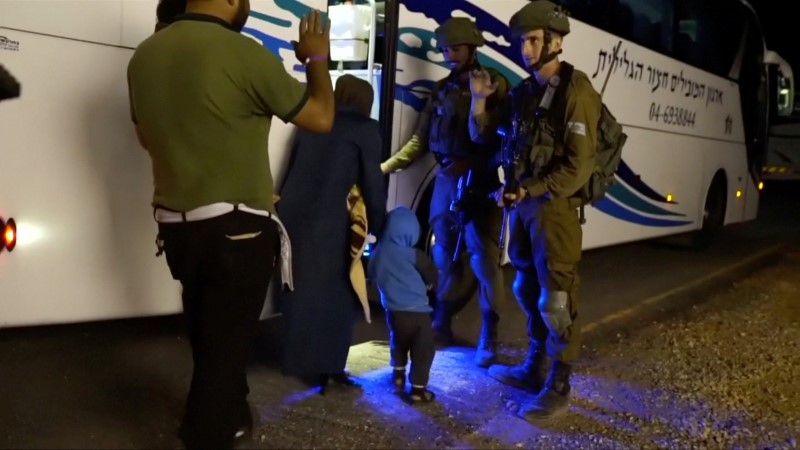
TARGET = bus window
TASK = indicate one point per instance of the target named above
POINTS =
(708, 34)
(355, 33)
(645, 22)
(781, 86)
(592, 12)
(785, 103)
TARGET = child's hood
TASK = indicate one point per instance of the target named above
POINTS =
(402, 227)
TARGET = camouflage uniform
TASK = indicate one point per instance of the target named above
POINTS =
(443, 129)
(545, 229)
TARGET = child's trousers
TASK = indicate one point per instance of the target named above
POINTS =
(411, 332)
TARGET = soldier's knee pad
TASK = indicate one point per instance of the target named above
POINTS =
(484, 268)
(525, 287)
(554, 307)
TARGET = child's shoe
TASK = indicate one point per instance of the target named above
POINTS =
(420, 394)
(399, 377)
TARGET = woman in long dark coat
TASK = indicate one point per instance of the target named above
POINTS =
(320, 313)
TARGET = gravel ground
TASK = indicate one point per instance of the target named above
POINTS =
(723, 374)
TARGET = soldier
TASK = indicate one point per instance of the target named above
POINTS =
(557, 157)
(443, 129)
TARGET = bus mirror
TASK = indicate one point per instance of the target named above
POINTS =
(782, 78)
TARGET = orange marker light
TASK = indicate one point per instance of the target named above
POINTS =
(10, 235)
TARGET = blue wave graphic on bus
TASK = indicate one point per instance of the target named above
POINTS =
(616, 210)
(626, 174)
(270, 42)
(623, 194)
(274, 44)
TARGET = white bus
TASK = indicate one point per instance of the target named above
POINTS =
(690, 83)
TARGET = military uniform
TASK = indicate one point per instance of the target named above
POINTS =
(545, 229)
(443, 129)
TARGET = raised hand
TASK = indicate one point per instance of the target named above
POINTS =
(313, 43)
(480, 83)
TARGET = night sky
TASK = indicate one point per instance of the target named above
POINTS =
(777, 22)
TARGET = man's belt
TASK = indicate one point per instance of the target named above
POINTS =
(164, 215)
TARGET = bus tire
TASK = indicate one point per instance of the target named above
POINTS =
(422, 212)
(713, 213)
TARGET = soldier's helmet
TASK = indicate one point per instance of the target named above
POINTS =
(539, 14)
(458, 31)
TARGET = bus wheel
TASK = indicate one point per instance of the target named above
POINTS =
(713, 214)
(426, 239)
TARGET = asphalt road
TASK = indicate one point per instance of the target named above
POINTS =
(122, 384)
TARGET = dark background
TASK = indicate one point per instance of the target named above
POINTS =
(780, 27)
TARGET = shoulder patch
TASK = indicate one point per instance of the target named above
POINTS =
(578, 128)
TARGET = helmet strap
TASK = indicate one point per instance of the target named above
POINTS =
(546, 56)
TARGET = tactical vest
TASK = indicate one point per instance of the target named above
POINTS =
(539, 140)
(449, 127)
(545, 138)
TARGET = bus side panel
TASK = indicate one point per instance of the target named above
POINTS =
(79, 187)
(89, 20)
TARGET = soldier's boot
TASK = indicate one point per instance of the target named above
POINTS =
(486, 352)
(530, 375)
(553, 400)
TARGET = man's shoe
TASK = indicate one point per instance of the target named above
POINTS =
(486, 353)
(530, 375)
(553, 400)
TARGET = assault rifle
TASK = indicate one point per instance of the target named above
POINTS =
(459, 207)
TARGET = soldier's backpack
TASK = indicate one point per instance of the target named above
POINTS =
(610, 140)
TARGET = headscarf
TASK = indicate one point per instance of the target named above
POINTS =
(355, 93)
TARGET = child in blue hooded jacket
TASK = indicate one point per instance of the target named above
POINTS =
(404, 274)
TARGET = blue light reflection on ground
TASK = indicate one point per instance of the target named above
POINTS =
(473, 410)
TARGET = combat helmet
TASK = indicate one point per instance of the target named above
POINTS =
(458, 31)
(539, 14)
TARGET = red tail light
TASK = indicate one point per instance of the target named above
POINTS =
(9, 238)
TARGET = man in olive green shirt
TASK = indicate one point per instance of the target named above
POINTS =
(202, 98)
(558, 154)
